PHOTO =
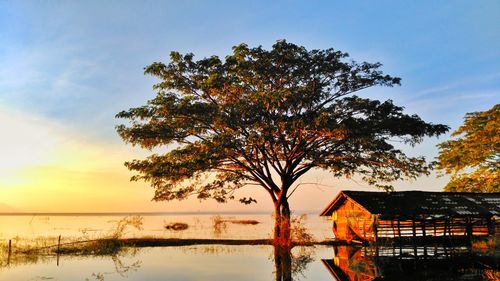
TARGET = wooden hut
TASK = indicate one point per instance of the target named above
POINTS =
(377, 216)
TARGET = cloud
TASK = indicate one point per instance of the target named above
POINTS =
(4, 208)
(455, 85)
(26, 140)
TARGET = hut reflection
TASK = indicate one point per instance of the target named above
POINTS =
(434, 263)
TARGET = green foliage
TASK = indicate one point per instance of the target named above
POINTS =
(266, 117)
(473, 156)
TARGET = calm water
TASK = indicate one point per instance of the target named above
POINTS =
(199, 226)
(218, 262)
(210, 263)
(169, 263)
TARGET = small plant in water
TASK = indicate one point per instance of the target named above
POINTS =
(300, 234)
(177, 226)
(219, 225)
(121, 226)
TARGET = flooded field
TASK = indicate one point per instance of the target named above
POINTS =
(223, 262)
(199, 225)
(217, 262)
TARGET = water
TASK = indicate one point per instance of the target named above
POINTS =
(216, 262)
(172, 263)
(200, 225)
(223, 262)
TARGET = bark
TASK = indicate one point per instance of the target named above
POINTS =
(282, 228)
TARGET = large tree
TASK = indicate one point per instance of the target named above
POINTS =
(472, 157)
(267, 117)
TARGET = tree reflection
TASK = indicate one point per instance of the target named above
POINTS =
(288, 265)
(121, 268)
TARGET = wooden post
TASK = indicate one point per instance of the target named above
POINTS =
(414, 230)
(393, 230)
(445, 226)
(424, 239)
(375, 232)
(468, 229)
(10, 251)
(399, 229)
(58, 248)
(491, 226)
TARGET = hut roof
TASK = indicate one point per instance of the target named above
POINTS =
(421, 203)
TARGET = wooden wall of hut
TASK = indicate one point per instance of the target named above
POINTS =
(351, 221)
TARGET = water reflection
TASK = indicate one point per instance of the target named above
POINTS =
(245, 263)
(121, 268)
(411, 263)
(292, 266)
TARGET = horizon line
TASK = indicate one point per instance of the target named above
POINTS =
(140, 213)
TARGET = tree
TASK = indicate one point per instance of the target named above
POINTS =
(266, 118)
(473, 156)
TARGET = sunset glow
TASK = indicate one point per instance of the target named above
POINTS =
(67, 69)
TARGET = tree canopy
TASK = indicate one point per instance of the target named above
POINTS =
(473, 156)
(267, 117)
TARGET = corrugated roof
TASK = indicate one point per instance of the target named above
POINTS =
(421, 203)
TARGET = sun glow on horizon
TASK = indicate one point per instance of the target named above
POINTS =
(46, 167)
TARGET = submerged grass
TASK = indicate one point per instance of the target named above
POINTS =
(33, 250)
(23, 251)
(177, 226)
(220, 224)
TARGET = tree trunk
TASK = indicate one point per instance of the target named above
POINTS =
(282, 263)
(282, 230)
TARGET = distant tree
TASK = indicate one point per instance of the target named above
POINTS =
(473, 157)
(266, 118)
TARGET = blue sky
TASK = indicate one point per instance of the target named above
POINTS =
(72, 65)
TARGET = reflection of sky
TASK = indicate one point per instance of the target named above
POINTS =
(68, 68)
(219, 262)
(201, 262)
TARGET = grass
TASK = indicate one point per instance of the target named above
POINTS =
(33, 250)
(44, 249)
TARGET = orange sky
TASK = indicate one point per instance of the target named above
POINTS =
(68, 68)
(48, 167)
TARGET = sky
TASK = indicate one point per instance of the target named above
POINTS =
(67, 67)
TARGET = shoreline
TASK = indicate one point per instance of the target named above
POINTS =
(172, 242)
(91, 214)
